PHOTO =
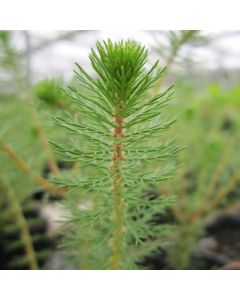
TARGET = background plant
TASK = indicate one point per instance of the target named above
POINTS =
(21, 167)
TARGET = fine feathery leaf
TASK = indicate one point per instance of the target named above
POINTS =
(116, 136)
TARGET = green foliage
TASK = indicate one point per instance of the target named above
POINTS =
(209, 116)
(14, 115)
(19, 131)
(175, 40)
(116, 139)
(9, 56)
(21, 228)
(49, 91)
(181, 37)
(209, 128)
(4, 36)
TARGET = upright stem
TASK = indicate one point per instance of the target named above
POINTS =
(24, 230)
(117, 158)
(44, 140)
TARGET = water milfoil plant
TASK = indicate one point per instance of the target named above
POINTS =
(117, 140)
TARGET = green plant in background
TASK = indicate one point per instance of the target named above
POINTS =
(175, 41)
(117, 139)
(205, 182)
(211, 175)
(23, 231)
(49, 91)
(178, 39)
(11, 60)
(9, 227)
(32, 121)
(24, 243)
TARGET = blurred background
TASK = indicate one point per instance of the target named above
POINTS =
(205, 68)
(52, 53)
